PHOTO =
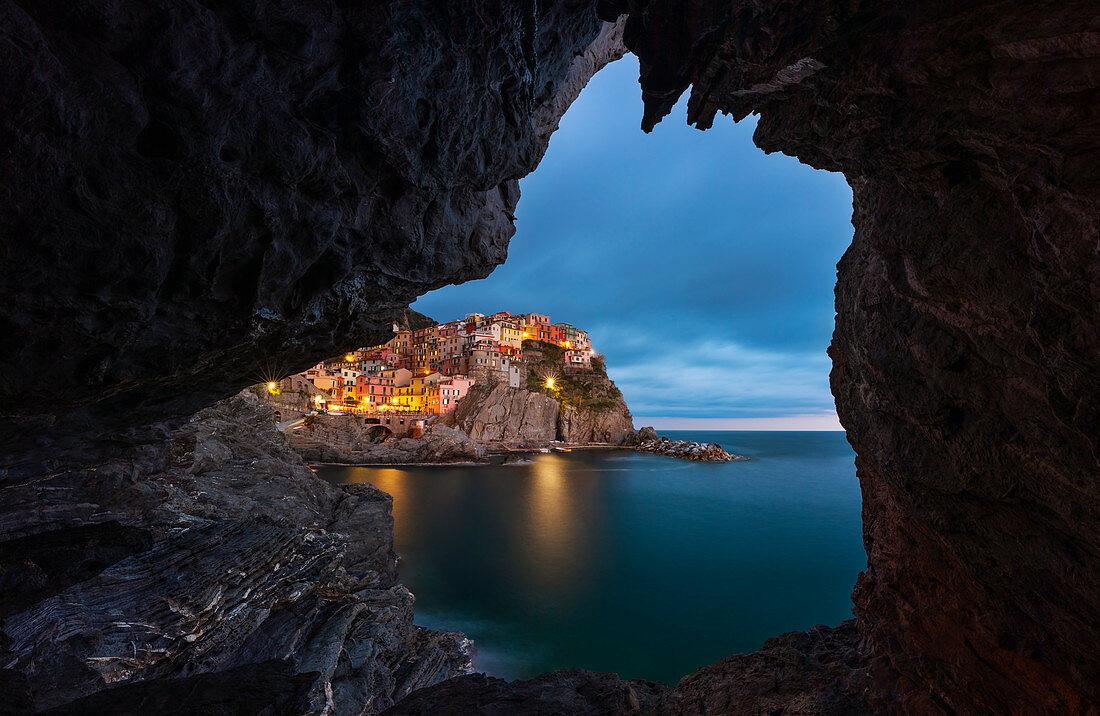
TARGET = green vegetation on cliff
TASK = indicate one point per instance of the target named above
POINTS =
(588, 391)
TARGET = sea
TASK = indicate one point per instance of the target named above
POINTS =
(643, 565)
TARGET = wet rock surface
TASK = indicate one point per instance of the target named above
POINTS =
(687, 450)
(214, 553)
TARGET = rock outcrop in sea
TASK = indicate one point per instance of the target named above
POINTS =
(687, 450)
(215, 555)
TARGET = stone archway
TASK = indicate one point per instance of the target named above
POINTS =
(378, 433)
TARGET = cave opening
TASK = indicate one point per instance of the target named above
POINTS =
(188, 559)
(703, 270)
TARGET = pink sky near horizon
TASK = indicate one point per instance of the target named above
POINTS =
(823, 422)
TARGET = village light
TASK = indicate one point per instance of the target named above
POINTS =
(272, 387)
(550, 383)
(349, 357)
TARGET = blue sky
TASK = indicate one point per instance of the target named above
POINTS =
(702, 268)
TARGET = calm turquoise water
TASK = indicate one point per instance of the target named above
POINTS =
(643, 565)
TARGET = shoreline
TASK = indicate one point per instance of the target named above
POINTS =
(469, 463)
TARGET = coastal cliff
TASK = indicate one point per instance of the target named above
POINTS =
(213, 556)
(582, 406)
(500, 414)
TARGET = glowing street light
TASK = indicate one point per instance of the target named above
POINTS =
(273, 387)
(349, 357)
(550, 383)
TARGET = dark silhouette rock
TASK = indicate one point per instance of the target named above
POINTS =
(823, 671)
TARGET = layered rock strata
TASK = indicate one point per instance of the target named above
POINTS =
(215, 556)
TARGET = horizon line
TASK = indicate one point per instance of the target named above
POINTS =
(813, 422)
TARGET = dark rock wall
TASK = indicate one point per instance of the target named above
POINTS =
(966, 362)
(822, 671)
(202, 195)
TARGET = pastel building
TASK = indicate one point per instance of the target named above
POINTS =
(374, 390)
(451, 349)
(577, 358)
(401, 377)
(450, 390)
(420, 395)
(511, 334)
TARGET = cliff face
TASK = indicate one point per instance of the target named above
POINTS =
(495, 413)
(513, 416)
(610, 424)
(200, 196)
(217, 550)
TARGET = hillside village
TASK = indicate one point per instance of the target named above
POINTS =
(426, 369)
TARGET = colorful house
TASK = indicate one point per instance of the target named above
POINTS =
(449, 391)
(577, 358)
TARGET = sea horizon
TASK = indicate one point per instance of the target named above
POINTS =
(828, 422)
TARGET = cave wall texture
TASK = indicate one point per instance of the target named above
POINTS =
(198, 194)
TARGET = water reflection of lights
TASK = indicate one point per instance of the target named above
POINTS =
(395, 483)
(552, 524)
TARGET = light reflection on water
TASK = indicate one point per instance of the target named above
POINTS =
(639, 564)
